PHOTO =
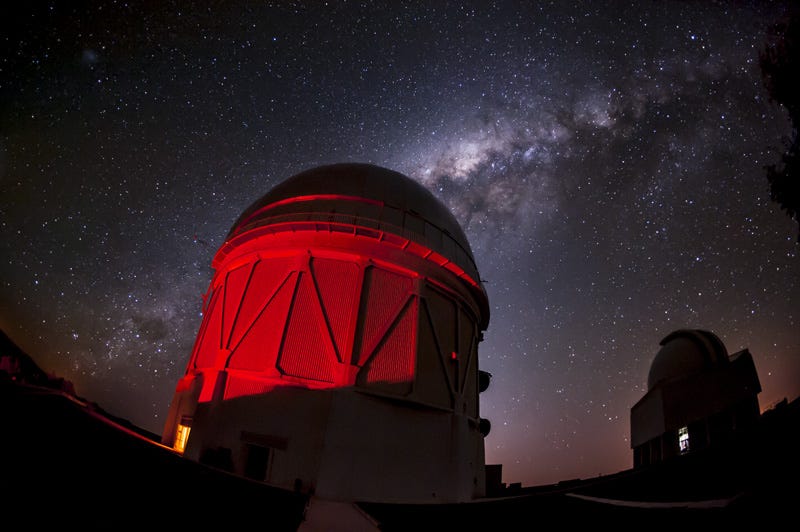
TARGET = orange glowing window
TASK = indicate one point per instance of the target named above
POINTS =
(181, 437)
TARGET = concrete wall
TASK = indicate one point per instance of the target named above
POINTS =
(376, 450)
(344, 444)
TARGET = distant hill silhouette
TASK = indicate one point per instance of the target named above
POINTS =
(18, 366)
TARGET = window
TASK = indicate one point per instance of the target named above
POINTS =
(683, 439)
(181, 437)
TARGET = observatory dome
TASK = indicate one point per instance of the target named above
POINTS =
(340, 340)
(684, 352)
(367, 196)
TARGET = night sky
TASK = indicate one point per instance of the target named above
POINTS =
(606, 160)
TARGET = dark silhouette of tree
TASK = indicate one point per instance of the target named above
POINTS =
(780, 68)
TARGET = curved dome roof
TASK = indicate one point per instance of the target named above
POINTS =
(374, 195)
(684, 352)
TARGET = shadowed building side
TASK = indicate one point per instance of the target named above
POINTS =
(697, 397)
(338, 352)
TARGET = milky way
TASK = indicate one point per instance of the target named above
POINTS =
(605, 159)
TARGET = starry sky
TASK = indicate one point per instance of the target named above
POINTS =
(606, 160)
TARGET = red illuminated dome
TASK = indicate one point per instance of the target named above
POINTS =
(368, 200)
(375, 197)
(355, 281)
(365, 183)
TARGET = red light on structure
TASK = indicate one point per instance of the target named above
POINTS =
(363, 290)
(330, 290)
(312, 317)
(299, 304)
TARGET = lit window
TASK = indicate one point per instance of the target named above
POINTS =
(683, 439)
(181, 437)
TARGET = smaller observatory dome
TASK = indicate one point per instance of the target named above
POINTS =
(684, 352)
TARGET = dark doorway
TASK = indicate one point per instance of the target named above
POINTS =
(257, 462)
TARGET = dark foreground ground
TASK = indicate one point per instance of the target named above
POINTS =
(66, 464)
